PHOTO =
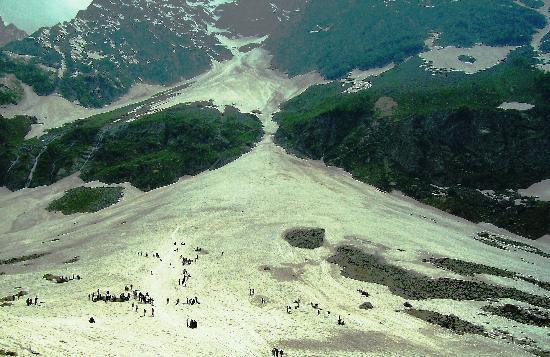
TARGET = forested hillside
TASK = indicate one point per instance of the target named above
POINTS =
(441, 142)
(154, 151)
(109, 46)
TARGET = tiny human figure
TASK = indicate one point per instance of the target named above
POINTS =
(177, 301)
(152, 312)
(36, 300)
(167, 301)
(144, 312)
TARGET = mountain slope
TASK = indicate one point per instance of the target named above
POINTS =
(439, 138)
(236, 216)
(110, 45)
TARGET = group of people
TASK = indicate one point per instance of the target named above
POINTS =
(29, 301)
(143, 298)
(277, 352)
(185, 277)
(192, 323)
(61, 279)
(107, 297)
(146, 255)
(187, 261)
(123, 297)
(193, 301)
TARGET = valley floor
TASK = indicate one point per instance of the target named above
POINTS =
(237, 214)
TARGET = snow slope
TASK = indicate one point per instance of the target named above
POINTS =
(240, 210)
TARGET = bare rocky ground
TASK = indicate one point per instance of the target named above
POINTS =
(237, 215)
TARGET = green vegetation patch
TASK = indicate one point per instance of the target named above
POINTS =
(152, 151)
(359, 265)
(86, 199)
(12, 136)
(307, 238)
(9, 95)
(27, 71)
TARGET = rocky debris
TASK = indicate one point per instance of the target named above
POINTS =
(4, 352)
(504, 243)
(529, 316)
(307, 238)
(72, 260)
(366, 306)
(60, 279)
(451, 322)
(360, 265)
(22, 258)
(471, 269)
(13, 297)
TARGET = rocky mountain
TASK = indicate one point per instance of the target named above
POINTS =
(106, 48)
(113, 44)
(9, 33)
